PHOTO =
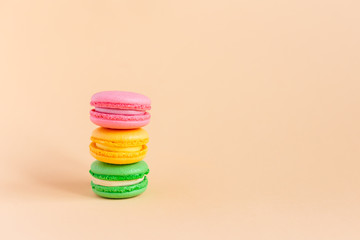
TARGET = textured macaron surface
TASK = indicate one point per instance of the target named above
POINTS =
(120, 110)
(112, 172)
(120, 192)
(119, 181)
(120, 189)
(119, 146)
(120, 138)
(121, 100)
(119, 117)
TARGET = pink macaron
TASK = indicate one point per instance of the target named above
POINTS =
(120, 110)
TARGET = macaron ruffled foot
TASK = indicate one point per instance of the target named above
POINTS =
(120, 110)
(117, 146)
(119, 181)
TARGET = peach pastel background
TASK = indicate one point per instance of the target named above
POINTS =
(255, 130)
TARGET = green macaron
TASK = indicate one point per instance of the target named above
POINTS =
(119, 181)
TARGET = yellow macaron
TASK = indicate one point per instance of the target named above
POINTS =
(117, 146)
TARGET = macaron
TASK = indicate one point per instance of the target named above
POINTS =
(120, 109)
(119, 146)
(119, 181)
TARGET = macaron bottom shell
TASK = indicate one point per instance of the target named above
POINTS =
(119, 195)
(120, 192)
(117, 160)
(118, 124)
(117, 157)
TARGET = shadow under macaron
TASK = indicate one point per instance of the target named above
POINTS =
(56, 175)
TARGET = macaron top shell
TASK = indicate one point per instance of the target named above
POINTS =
(112, 172)
(121, 100)
(120, 137)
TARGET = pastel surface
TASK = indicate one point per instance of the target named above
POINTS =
(124, 194)
(113, 173)
(118, 124)
(119, 146)
(120, 110)
(121, 100)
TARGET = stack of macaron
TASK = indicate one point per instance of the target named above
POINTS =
(119, 144)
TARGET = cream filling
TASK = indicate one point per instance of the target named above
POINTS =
(115, 183)
(119, 111)
(118, 149)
